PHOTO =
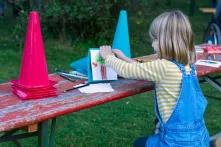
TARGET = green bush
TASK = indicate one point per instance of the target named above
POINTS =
(77, 20)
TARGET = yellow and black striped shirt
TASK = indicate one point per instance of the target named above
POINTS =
(166, 74)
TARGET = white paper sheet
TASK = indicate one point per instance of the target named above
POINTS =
(96, 68)
(99, 87)
(198, 49)
(210, 63)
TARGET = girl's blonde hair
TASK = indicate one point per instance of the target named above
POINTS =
(173, 32)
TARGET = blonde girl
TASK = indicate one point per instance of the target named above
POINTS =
(179, 102)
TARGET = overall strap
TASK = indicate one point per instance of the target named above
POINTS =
(181, 67)
(193, 69)
(183, 70)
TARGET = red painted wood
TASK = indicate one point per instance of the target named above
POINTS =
(205, 70)
(16, 113)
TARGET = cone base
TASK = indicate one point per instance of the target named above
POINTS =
(25, 95)
(17, 84)
(33, 90)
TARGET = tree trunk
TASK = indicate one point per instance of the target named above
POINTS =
(135, 4)
(62, 35)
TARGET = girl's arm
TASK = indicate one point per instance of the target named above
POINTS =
(153, 71)
(106, 51)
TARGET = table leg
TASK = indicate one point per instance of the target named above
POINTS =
(43, 134)
(52, 134)
(44, 140)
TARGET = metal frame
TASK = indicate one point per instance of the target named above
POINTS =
(44, 140)
(213, 82)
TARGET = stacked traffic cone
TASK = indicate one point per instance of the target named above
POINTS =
(121, 38)
(33, 80)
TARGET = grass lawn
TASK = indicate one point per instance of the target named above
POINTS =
(117, 123)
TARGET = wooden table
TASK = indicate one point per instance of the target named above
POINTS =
(16, 114)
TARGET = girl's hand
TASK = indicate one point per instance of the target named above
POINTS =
(105, 51)
(118, 53)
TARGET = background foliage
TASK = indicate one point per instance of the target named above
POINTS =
(74, 20)
(115, 124)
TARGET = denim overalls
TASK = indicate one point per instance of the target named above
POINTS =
(185, 127)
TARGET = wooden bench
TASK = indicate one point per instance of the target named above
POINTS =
(208, 10)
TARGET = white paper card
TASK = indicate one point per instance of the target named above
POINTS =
(99, 87)
(210, 63)
(101, 72)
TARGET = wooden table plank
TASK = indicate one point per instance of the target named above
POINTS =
(16, 113)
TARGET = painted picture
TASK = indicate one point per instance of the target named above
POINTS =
(98, 68)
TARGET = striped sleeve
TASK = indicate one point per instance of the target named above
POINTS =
(152, 71)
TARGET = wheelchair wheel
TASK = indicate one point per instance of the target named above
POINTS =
(213, 34)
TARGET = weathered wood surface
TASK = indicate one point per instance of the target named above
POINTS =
(205, 70)
(16, 113)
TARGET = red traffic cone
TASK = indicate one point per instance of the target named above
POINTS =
(33, 71)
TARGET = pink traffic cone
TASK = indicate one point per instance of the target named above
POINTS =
(33, 80)
(33, 71)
